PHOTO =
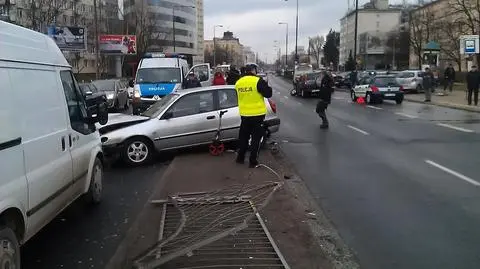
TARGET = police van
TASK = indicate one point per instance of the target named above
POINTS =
(159, 74)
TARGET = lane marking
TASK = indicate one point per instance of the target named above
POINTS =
(286, 97)
(455, 128)
(358, 130)
(453, 173)
(406, 115)
(375, 107)
(338, 98)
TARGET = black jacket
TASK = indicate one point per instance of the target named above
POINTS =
(191, 83)
(449, 73)
(232, 77)
(326, 88)
(473, 80)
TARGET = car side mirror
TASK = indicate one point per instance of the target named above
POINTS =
(131, 83)
(167, 115)
(98, 114)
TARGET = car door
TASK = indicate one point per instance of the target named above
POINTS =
(202, 72)
(362, 87)
(82, 137)
(193, 121)
(228, 101)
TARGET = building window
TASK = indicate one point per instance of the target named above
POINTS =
(85, 63)
(378, 24)
(65, 18)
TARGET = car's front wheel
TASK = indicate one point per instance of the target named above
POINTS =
(399, 100)
(368, 98)
(94, 194)
(137, 151)
(10, 249)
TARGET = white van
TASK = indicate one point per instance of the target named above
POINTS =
(160, 74)
(50, 151)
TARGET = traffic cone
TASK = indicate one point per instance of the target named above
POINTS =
(360, 100)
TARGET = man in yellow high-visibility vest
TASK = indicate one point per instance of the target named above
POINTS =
(251, 91)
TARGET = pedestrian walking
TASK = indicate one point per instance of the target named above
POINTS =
(191, 81)
(233, 75)
(218, 79)
(473, 84)
(353, 78)
(251, 91)
(428, 80)
(326, 90)
(449, 77)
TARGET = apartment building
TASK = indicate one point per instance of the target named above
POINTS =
(229, 49)
(199, 57)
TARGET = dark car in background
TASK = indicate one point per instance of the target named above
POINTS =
(93, 97)
(307, 84)
(116, 91)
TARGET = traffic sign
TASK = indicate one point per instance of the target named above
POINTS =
(469, 44)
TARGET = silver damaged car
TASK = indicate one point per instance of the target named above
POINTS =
(182, 119)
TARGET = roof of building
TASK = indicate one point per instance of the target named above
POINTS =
(20, 44)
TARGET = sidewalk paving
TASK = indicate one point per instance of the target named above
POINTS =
(301, 231)
(455, 99)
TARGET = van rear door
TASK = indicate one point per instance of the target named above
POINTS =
(202, 72)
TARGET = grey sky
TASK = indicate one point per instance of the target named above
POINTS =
(255, 22)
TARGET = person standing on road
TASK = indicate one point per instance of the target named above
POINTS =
(191, 81)
(218, 79)
(233, 75)
(428, 80)
(449, 76)
(473, 84)
(326, 90)
(353, 78)
(251, 91)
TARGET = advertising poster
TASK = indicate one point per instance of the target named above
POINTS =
(69, 37)
(118, 44)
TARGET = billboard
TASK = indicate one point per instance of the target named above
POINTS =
(118, 44)
(69, 37)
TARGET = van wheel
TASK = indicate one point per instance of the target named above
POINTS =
(94, 194)
(137, 151)
(10, 249)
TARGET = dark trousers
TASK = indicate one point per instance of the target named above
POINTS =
(321, 110)
(475, 96)
(250, 126)
(449, 84)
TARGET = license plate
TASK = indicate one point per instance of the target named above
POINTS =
(389, 94)
(315, 90)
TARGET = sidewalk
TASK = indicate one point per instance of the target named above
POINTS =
(456, 99)
(300, 230)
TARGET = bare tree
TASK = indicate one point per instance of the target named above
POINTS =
(467, 12)
(449, 36)
(315, 48)
(41, 13)
(422, 29)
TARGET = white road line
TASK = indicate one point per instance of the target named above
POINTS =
(450, 171)
(286, 97)
(358, 130)
(406, 115)
(338, 98)
(455, 128)
(375, 107)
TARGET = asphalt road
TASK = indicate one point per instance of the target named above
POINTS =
(83, 237)
(400, 182)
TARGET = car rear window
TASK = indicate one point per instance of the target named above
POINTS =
(105, 85)
(384, 81)
(408, 74)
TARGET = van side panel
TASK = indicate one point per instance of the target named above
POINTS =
(13, 183)
(43, 124)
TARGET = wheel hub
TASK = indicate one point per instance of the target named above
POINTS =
(7, 255)
(137, 152)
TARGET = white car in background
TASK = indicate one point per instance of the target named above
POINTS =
(411, 80)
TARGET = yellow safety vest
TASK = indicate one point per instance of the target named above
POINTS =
(250, 101)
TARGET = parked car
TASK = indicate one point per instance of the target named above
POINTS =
(411, 80)
(181, 119)
(93, 97)
(307, 85)
(378, 88)
(116, 92)
(50, 150)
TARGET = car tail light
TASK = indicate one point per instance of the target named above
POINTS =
(273, 105)
(401, 88)
(374, 88)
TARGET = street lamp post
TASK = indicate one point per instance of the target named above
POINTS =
(214, 45)
(173, 22)
(296, 34)
(286, 44)
(355, 33)
(97, 48)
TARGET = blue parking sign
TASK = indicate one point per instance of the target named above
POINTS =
(470, 46)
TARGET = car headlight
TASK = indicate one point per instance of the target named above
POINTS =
(136, 91)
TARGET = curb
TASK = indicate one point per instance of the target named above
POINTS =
(448, 105)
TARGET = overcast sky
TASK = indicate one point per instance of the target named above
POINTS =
(255, 22)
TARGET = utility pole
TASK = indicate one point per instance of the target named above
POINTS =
(356, 33)
(296, 37)
(97, 48)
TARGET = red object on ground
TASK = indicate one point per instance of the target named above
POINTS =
(360, 100)
(218, 79)
(216, 148)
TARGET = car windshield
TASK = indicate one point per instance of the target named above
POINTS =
(384, 81)
(158, 75)
(407, 74)
(105, 85)
(156, 109)
(303, 68)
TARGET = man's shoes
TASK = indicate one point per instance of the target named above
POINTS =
(426, 101)
(324, 126)
(253, 164)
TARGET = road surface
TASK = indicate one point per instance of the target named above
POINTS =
(83, 237)
(400, 182)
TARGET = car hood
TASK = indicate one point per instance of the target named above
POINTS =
(118, 120)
